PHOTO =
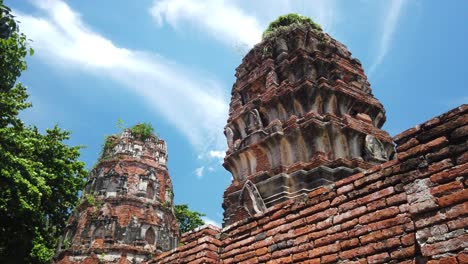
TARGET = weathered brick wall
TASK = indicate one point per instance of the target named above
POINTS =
(198, 246)
(436, 185)
(409, 210)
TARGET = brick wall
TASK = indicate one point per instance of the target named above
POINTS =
(409, 210)
(198, 246)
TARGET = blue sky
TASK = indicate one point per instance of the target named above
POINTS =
(172, 63)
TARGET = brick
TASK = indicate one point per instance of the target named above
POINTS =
(450, 174)
(261, 251)
(461, 222)
(375, 205)
(345, 189)
(403, 253)
(448, 188)
(349, 214)
(459, 133)
(423, 148)
(379, 215)
(453, 198)
(447, 260)
(329, 258)
(447, 246)
(329, 239)
(405, 135)
(378, 258)
(376, 195)
(320, 251)
(349, 179)
(349, 243)
(300, 256)
(408, 144)
(462, 257)
(408, 239)
(321, 215)
(396, 199)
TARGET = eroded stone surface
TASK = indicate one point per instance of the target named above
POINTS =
(127, 207)
(302, 115)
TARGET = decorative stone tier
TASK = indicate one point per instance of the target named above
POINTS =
(126, 210)
(301, 115)
(413, 209)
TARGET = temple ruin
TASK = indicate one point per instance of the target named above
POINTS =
(315, 178)
(126, 210)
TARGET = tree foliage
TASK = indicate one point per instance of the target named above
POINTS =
(188, 220)
(39, 174)
(288, 20)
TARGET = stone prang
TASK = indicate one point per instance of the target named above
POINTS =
(126, 211)
(302, 115)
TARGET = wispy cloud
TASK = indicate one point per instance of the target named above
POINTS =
(209, 221)
(63, 40)
(389, 26)
(199, 172)
(220, 18)
(237, 23)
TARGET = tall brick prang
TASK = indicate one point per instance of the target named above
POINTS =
(302, 115)
(126, 212)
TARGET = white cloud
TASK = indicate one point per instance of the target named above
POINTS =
(233, 22)
(209, 221)
(199, 172)
(219, 154)
(62, 39)
(390, 23)
(222, 19)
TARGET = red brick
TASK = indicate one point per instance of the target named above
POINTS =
(345, 189)
(448, 188)
(462, 257)
(407, 134)
(379, 215)
(376, 195)
(320, 251)
(347, 206)
(396, 199)
(349, 214)
(448, 260)
(447, 246)
(453, 198)
(329, 258)
(378, 258)
(407, 240)
(403, 253)
(261, 251)
(300, 256)
(349, 243)
(329, 239)
(450, 174)
(423, 148)
(349, 179)
(461, 222)
(375, 205)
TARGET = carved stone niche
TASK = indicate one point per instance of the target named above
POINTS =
(374, 150)
(251, 199)
(254, 122)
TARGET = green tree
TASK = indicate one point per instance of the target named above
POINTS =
(188, 220)
(39, 174)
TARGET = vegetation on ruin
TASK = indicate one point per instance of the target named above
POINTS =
(40, 175)
(187, 219)
(142, 130)
(288, 21)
